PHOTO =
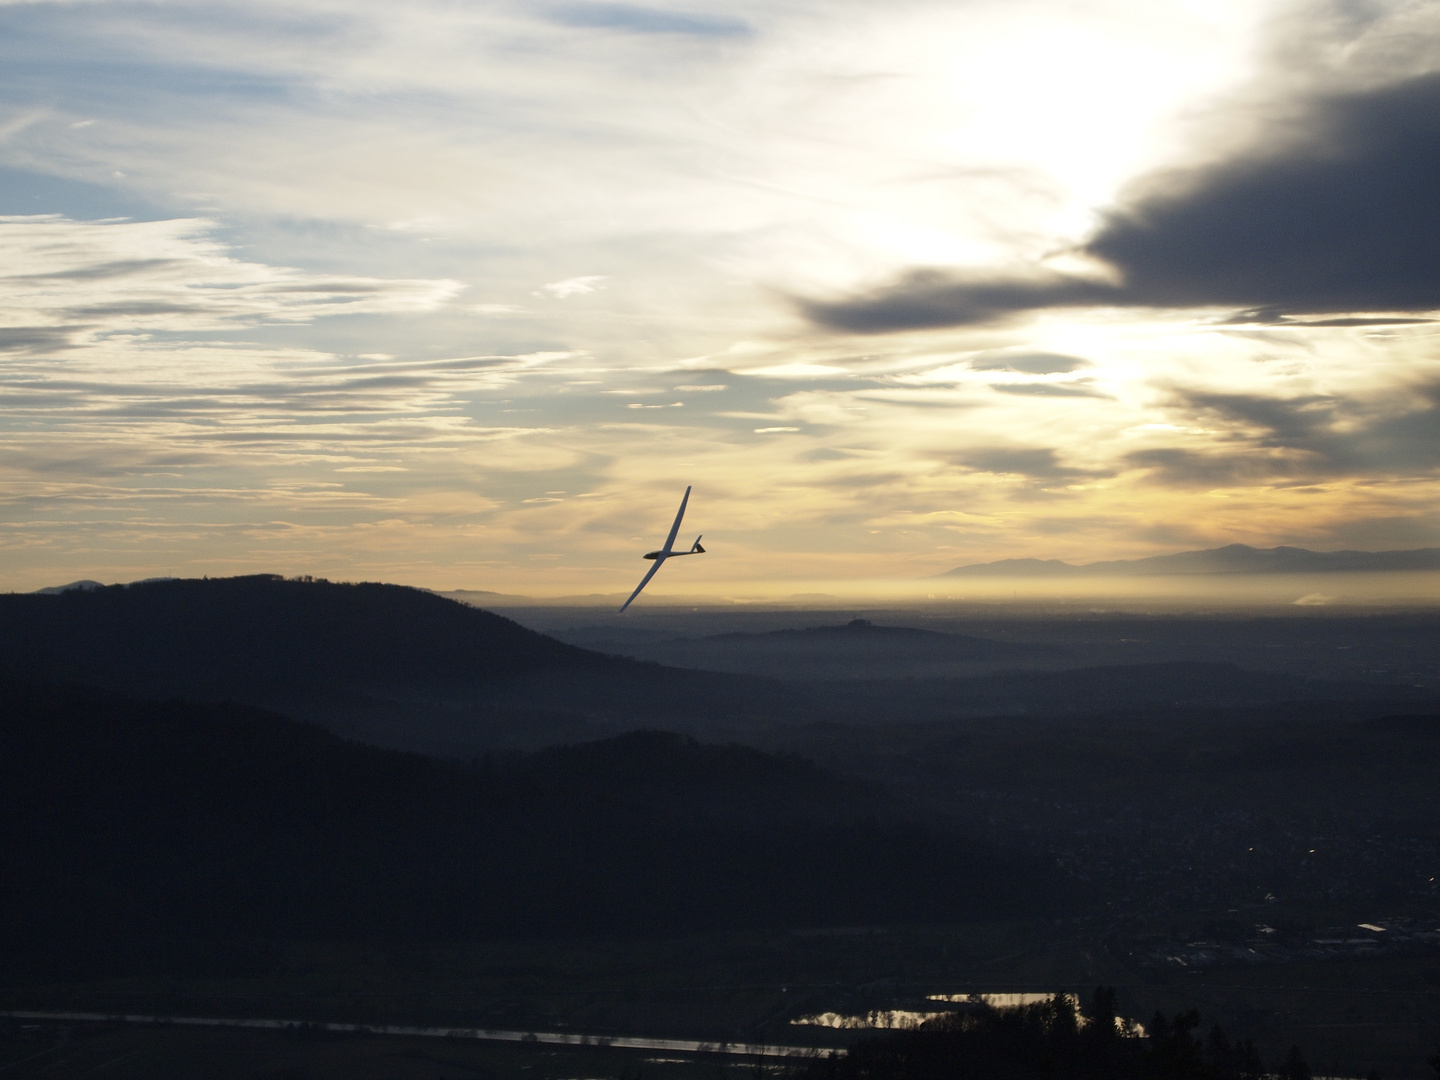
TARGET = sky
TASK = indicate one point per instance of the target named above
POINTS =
(464, 294)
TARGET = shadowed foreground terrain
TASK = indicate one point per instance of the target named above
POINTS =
(1053, 1039)
(123, 821)
(207, 808)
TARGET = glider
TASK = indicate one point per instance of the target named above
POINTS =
(666, 552)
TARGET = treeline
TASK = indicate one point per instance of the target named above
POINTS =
(1053, 1041)
(123, 819)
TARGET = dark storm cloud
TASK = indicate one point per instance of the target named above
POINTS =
(925, 299)
(1337, 210)
(1346, 221)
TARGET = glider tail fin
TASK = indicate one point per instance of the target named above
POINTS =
(696, 548)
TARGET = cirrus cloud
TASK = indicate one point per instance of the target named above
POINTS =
(104, 277)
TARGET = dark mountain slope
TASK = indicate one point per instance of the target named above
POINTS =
(122, 819)
(207, 636)
(855, 650)
(392, 665)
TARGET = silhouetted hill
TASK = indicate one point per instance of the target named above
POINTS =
(208, 636)
(392, 665)
(854, 650)
(1231, 559)
(83, 584)
(122, 819)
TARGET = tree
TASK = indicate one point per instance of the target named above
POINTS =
(1295, 1067)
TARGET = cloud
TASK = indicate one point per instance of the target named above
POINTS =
(1340, 218)
(797, 370)
(91, 340)
(1271, 317)
(102, 277)
(498, 309)
(1038, 389)
(1036, 463)
(1333, 209)
(36, 339)
(1261, 438)
(575, 286)
(1177, 467)
(1027, 363)
(927, 299)
(645, 20)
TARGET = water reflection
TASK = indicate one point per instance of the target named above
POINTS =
(906, 1019)
(876, 1018)
(1007, 1000)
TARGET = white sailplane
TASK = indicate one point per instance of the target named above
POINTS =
(666, 552)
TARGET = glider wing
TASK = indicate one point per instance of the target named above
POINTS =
(675, 529)
(645, 580)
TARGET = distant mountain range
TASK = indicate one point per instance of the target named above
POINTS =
(84, 585)
(1231, 559)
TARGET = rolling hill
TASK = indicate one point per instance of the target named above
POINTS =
(391, 665)
(124, 820)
